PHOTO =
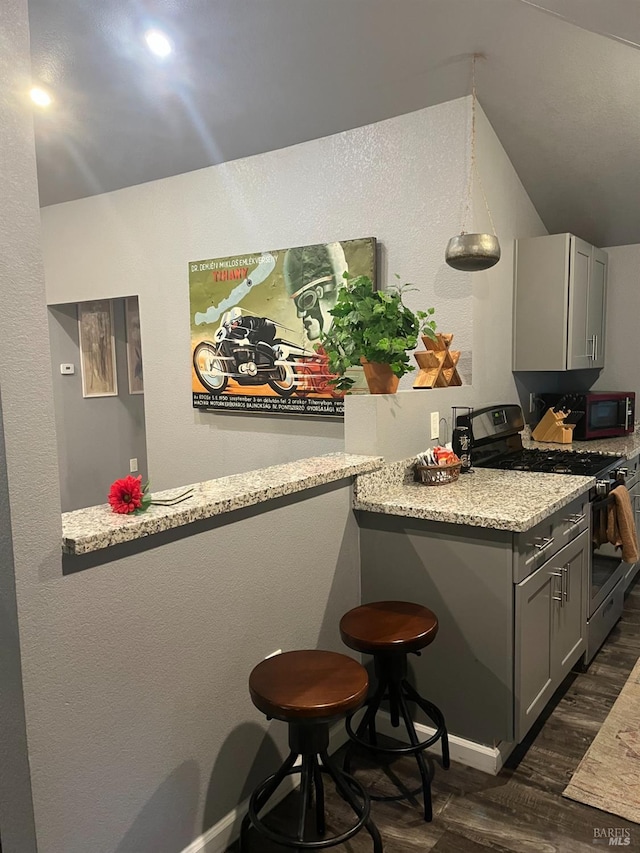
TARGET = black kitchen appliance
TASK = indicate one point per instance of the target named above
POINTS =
(497, 443)
(606, 414)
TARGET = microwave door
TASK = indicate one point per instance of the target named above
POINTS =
(606, 415)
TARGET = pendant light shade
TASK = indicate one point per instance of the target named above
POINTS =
(473, 252)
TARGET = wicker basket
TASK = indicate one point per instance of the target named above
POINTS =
(436, 475)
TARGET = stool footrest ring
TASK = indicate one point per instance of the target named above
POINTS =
(434, 714)
(343, 781)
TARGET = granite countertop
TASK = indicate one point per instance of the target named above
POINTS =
(500, 500)
(627, 446)
(97, 527)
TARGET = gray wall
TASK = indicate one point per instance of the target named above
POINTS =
(29, 502)
(400, 180)
(97, 436)
(622, 353)
(146, 734)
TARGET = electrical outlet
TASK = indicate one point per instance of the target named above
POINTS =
(273, 654)
(133, 466)
(435, 425)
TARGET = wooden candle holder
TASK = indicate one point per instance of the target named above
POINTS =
(553, 428)
(438, 364)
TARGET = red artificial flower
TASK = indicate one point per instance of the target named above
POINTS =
(126, 495)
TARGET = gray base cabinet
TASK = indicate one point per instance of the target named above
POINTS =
(550, 625)
(559, 304)
(511, 609)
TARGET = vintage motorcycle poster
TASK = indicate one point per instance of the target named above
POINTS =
(256, 325)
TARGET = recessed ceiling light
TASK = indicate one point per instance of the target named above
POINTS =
(158, 43)
(40, 97)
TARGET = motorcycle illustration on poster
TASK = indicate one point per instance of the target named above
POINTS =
(256, 324)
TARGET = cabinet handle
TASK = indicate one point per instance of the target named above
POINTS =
(543, 542)
(594, 344)
(576, 518)
(590, 343)
(565, 582)
(558, 573)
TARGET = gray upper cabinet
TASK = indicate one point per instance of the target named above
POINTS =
(559, 304)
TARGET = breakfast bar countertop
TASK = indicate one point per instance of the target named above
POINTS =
(485, 497)
(96, 527)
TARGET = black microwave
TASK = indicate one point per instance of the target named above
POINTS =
(605, 414)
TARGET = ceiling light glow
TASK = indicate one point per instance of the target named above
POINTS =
(40, 97)
(158, 43)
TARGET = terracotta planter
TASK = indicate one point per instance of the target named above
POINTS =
(379, 377)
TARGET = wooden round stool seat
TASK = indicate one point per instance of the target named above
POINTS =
(307, 685)
(309, 690)
(388, 626)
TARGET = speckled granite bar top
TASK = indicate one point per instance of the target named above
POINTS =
(627, 446)
(500, 500)
(97, 527)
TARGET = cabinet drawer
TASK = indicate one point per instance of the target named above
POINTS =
(571, 520)
(604, 619)
(533, 547)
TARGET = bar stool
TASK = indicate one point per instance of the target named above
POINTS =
(389, 630)
(309, 690)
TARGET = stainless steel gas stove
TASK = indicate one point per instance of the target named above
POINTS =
(497, 443)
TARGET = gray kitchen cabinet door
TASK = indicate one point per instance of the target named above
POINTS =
(550, 629)
(580, 348)
(534, 682)
(540, 311)
(559, 304)
(569, 616)
(596, 305)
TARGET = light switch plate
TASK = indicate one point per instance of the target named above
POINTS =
(133, 465)
(435, 425)
(67, 369)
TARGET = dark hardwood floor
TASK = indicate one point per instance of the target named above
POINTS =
(522, 809)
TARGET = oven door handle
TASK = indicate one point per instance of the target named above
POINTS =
(599, 504)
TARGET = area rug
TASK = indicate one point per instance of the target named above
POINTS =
(608, 777)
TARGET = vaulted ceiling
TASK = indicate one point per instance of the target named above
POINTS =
(559, 82)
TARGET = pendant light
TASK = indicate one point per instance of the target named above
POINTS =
(473, 252)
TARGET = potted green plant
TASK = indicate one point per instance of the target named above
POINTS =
(376, 329)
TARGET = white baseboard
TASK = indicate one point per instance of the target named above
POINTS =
(222, 834)
(489, 759)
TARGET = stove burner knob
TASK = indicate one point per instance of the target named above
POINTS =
(622, 474)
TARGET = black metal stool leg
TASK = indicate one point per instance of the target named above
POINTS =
(359, 808)
(435, 714)
(422, 767)
(367, 722)
(275, 780)
(319, 786)
(305, 794)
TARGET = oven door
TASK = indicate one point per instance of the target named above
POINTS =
(607, 566)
